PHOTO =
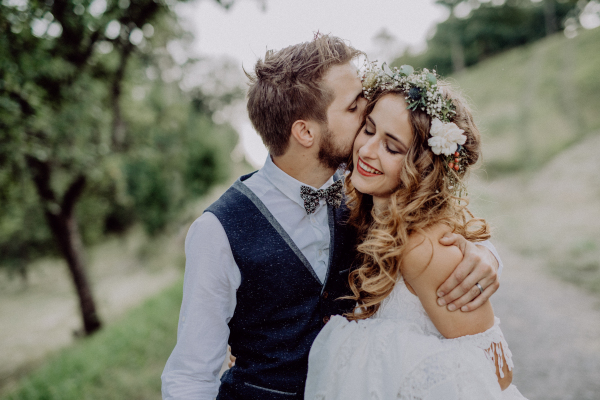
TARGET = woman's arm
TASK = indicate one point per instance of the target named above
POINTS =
(426, 265)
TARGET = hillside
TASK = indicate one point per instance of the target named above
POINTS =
(534, 101)
(537, 107)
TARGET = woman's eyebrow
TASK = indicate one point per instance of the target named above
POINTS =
(388, 134)
(397, 140)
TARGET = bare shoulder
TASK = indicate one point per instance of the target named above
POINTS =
(424, 249)
(426, 265)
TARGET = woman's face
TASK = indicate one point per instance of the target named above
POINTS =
(380, 148)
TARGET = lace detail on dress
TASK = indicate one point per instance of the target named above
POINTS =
(453, 372)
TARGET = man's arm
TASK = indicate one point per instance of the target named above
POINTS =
(480, 264)
(209, 288)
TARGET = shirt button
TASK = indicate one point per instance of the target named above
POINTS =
(320, 252)
(326, 319)
(325, 294)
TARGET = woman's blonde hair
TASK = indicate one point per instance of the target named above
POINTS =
(423, 199)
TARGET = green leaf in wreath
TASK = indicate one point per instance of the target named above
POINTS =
(406, 70)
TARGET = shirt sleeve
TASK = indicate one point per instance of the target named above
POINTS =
(209, 298)
(488, 245)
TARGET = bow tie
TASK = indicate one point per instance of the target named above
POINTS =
(333, 195)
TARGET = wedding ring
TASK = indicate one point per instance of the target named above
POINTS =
(479, 287)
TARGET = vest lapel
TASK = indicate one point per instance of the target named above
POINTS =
(238, 185)
(331, 219)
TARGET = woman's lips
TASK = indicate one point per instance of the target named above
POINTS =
(365, 169)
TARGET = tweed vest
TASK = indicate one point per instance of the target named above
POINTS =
(281, 303)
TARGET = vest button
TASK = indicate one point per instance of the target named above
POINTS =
(325, 294)
(326, 319)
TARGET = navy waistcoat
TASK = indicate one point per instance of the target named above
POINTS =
(281, 304)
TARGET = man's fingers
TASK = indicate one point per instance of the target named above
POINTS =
(469, 294)
(450, 290)
(462, 270)
(454, 239)
(464, 292)
(231, 361)
(468, 273)
(482, 298)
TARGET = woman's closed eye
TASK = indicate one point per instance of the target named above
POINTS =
(391, 150)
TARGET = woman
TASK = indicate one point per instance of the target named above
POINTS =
(404, 193)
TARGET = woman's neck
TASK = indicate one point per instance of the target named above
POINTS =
(380, 203)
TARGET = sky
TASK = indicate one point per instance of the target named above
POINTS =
(245, 31)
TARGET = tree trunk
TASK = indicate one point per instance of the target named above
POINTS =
(68, 238)
(63, 224)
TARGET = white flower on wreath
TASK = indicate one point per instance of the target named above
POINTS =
(445, 137)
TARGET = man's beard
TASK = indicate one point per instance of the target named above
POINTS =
(330, 155)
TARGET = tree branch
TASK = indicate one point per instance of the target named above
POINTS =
(41, 173)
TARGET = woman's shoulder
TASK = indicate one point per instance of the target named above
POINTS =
(423, 247)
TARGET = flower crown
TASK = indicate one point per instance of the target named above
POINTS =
(421, 91)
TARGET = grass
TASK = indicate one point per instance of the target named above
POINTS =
(123, 361)
(534, 101)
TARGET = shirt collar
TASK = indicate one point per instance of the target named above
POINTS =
(286, 184)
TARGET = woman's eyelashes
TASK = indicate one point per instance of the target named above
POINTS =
(389, 150)
(385, 144)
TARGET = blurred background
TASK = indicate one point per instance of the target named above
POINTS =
(121, 120)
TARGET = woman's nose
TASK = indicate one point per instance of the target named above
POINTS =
(369, 150)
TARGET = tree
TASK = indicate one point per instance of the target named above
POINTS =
(487, 29)
(62, 68)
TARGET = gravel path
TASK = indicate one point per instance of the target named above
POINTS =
(553, 329)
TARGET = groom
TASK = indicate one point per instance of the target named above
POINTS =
(266, 263)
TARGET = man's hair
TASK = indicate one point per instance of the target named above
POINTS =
(286, 87)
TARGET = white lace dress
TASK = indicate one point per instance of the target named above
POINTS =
(399, 354)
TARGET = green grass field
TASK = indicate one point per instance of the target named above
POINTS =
(123, 361)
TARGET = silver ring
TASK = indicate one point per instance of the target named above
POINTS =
(479, 287)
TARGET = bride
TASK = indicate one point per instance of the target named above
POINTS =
(404, 193)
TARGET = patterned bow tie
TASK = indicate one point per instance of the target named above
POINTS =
(333, 195)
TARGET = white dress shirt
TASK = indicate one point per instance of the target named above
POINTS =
(212, 279)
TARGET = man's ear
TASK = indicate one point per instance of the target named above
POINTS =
(304, 132)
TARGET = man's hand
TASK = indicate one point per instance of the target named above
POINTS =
(478, 266)
(231, 362)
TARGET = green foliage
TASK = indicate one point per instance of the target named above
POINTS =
(81, 94)
(486, 31)
(124, 361)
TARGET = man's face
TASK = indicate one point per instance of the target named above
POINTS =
(344, 115)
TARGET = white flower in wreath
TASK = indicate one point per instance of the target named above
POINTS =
(445, 137)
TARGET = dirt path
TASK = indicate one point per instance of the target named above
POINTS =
(43, 317)
(553, 329)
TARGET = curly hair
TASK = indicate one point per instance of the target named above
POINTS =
(422, 200)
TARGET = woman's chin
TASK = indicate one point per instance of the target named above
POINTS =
(359, 185)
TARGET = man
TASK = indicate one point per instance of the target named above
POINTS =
(267, 262)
